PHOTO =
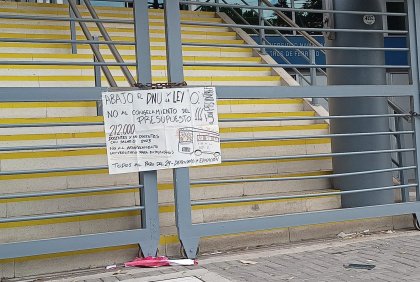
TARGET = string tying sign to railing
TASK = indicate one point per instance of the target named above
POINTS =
(161, 128)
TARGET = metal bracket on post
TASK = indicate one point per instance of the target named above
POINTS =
(149, 194)
(328, 19)
(180, 175)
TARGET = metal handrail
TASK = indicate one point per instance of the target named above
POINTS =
(281, 55)
(95, 49)
(112, 47)
(288, 41)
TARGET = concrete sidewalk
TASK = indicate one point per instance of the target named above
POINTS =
(396, 257)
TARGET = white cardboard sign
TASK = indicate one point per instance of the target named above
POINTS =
(161, 128)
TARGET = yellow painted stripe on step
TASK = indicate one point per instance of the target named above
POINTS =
(53, 174)
(77, 195)
(274, 128)
(171, 208)
(228, 78)
(105, 171)
(53, 136)
(122, 29)
(68, 219)
(51, 120)
(102, 14)
(237, 145)
(123, 47)
(155, 68)
(266, 115)
(123, 79)
(115, 38)
(169, 186)
(18, 105)
(259, 101)
(68, 254)
(35, 45)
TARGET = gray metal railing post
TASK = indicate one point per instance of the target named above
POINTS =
(412, 9)
(217, 7)
(97, 69)
(400, 156)
(148, 195)
(73, 33)
(261, 32)
(180, 175)
(312, 57)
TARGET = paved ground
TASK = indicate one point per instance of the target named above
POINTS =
(396, 257)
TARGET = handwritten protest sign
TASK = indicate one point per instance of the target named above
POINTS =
(161, 128)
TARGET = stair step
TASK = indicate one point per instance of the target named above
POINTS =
(212, 213)
(45, 29)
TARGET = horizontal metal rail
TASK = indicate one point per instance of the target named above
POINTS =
(327, 176)
(300, 196)
(226, 140)
(67, 192)
(69, 214)
(63, 19)
(243, 26)
(50, 124)
(65, 41)
(52, 170)
(293, 9)
(313, 156)
(52, 147)
(64, 63)
(311, 118)
(298, 65)
(246, 139)
(294, 47)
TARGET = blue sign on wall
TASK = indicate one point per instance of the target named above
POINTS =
(295, 57)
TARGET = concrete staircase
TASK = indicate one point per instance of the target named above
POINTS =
(47, 112)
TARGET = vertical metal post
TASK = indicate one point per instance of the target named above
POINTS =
(97, 69)
(261, 22)
(142, 38)
(359, 106)
(400, 156)
(149, 194)
(217, 7)
(98, 80)
(292, 4)
(180, 175)
(312, 71)
(73, 33)
(412, 9)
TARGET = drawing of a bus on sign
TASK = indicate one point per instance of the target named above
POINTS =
(198, 141)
